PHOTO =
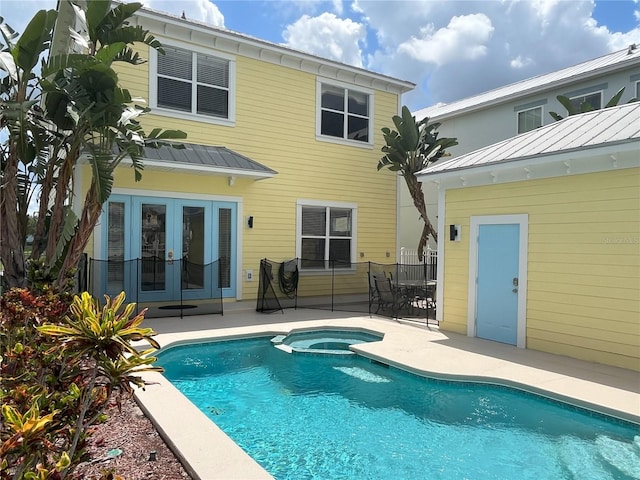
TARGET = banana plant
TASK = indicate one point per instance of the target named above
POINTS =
(78, 110)
(586, 106)
(409, 149)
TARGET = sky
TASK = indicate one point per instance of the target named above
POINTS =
(450, 49)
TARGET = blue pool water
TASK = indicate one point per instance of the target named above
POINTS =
(305, 416)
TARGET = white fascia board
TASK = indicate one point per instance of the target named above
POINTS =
(238, 43)
(580, 161)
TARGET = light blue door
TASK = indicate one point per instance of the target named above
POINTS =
(497, 282)
(166, 249)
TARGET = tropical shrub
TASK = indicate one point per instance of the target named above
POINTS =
(60, 368)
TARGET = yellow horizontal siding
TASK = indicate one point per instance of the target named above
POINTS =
(583, 296)
(276, 126)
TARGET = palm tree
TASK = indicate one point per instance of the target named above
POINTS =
(80, 110)
(409, 149)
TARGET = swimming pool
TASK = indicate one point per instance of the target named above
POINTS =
(310, 416)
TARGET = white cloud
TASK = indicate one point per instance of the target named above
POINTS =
(464, 38)
(521, 62)
(200, 10)
(327, 36)
(456, 49)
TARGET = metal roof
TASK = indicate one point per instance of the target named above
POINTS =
(610, 126)
(612, 62)
(213, 159)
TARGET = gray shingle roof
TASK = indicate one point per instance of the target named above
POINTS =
(610, 126)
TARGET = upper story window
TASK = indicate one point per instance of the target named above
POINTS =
(637, 89)
(189, 83)
(344, 113)
(594, 99)
(529, 119)
(325, 235)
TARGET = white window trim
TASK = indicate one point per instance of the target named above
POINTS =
(354, 223)
(541, 107)
(637, 89)
(167, 112)
(342, 141)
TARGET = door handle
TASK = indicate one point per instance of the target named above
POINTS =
(170, 257)
(515, 290)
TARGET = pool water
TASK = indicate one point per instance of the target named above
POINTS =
(346, 417)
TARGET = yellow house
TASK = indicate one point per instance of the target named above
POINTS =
(281, 156)
(542, 246)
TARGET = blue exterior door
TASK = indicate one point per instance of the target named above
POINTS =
(497, 282)
(164, 249)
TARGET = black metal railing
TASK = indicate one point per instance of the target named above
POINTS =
(409, 290)
(167, 288)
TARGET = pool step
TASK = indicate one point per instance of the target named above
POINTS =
(623, 456)
(283, 347)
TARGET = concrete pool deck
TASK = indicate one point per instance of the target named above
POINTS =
(208, 454)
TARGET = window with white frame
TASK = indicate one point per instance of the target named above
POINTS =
(529, 119)
(194, 83)
(637, 89)
(594, 99)
(326, 236)
(344, 112)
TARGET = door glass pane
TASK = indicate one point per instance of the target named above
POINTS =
(192, 247)
(153, 240)
(224, 247)
(115, 247)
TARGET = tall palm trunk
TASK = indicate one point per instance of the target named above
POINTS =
(415, 190)
(11, 246)
(87, 222)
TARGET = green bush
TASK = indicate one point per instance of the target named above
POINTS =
(60, 367)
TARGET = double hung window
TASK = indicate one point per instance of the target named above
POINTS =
(344, 113)
(194, 83)
(326, 236)
(529, 119)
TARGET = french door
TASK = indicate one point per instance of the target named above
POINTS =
(169, 249)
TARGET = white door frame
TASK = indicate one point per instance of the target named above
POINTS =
(474, 229)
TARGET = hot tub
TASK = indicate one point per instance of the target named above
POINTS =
(335, 342)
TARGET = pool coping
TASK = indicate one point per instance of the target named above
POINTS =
(416, 350)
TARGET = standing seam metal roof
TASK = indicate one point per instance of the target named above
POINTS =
(208, 156)
(598, 128)
(620, 59)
